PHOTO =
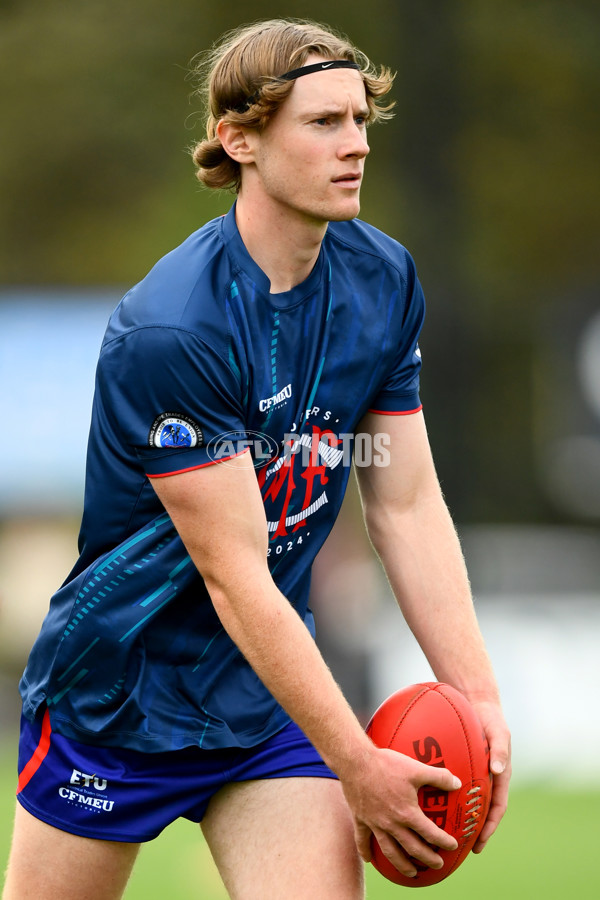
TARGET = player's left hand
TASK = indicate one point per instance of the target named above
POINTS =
(498, 736)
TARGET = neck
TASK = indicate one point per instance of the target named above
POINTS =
(286, 247)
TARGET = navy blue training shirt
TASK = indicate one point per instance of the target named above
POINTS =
(199, 363)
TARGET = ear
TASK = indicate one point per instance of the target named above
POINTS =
(236, 140)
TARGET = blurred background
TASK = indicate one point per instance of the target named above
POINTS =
(489, 174)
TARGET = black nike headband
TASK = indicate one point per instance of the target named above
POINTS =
(318, 67)
(303, 70)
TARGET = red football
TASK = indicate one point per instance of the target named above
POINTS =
(436, 724)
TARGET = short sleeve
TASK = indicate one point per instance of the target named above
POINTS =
(399, 392)
(166, 396)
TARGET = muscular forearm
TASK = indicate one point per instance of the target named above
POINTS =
(280, 649)
(420, 552)
(412, 531)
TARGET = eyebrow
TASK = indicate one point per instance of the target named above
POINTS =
(327, 112)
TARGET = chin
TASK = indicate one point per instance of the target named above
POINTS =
(344, 215)
(333, 212)
(342, 212)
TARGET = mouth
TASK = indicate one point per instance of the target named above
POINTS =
(348, 180)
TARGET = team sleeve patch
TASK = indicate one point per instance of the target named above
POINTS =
(173, 430)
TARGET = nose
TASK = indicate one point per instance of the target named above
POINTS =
(355, 143)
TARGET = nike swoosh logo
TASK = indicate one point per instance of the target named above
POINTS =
(326, 65)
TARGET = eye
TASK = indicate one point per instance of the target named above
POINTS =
(361, 121)
(322, 121)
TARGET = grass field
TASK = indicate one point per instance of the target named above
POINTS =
(547, 849)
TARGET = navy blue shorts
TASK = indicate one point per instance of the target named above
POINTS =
(123, 795)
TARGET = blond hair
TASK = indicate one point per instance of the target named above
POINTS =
(239, 81)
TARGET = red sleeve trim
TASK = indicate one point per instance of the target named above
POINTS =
(404, 412)
(213, 462)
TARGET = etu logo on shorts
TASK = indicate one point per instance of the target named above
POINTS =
(83, 780)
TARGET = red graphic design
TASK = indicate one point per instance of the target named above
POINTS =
(280, 483)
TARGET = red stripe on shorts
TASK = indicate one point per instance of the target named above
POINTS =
(39, 754)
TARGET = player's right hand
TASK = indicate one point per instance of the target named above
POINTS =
(382, 795)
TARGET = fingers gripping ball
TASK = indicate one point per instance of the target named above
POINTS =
(435, 724)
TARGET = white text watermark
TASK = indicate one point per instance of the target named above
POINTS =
(316, 449)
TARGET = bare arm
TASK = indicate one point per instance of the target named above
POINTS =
(412, 531)
(220, 506)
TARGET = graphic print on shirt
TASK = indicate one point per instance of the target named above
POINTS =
(294, 486)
